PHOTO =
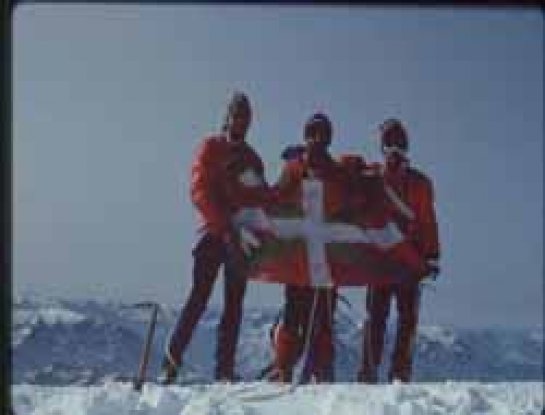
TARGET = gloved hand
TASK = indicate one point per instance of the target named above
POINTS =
(292, 152)
(432, 268)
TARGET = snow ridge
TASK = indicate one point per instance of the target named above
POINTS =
(339, 399)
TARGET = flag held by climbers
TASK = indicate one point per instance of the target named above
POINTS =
(301, 246)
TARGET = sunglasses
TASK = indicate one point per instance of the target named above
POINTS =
(394, 149)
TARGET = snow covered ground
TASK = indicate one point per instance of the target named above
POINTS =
(73, 357)
(271, 399)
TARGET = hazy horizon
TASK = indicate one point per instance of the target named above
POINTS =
(110, 102)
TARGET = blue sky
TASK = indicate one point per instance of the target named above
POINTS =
(110, 102)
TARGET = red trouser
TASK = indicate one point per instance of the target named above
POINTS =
(378, 300)
(209, 254)
(293, 329)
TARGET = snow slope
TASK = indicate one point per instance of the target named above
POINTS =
(339, 399)
(59, 342)
(78, 358)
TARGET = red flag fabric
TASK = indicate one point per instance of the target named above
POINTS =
(303, 247)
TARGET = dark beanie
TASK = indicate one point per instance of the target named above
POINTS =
(238, 100)
(318, 118)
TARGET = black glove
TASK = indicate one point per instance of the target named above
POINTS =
(292, 152)
(432, 268)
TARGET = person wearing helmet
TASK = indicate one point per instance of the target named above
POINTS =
(294, 152)
(312, 161)
(226, 174)
(409, 194)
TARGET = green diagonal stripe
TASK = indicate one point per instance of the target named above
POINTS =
(274, 248)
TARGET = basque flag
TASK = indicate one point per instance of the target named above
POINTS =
(301, 246)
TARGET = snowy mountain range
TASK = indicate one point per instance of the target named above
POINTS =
(63, 342)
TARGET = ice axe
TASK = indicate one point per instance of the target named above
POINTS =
(144, 358)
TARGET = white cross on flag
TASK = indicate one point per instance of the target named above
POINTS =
(307, 249)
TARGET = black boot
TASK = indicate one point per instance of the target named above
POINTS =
(169, 372)
(367, 376)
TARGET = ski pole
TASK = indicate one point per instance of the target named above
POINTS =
(307, 345)
(139, 380)
(368, 350)
(267, 370)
